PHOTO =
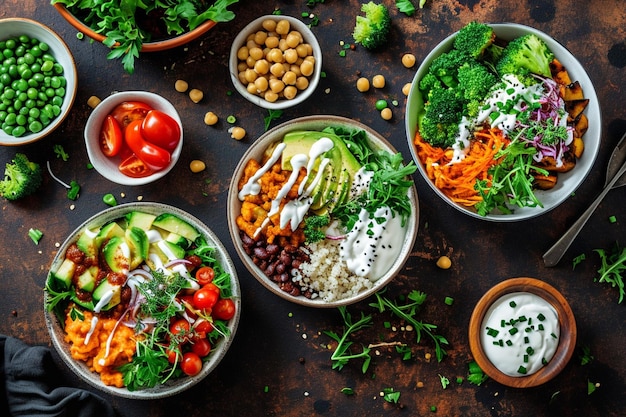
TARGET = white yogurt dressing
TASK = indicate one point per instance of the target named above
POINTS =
(520, 333)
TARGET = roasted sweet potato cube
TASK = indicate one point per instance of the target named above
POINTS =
(575, 108)
(568, 162)
(559, 73)
(572, 91)
(545, 182)
(578, 146)
(580, 125)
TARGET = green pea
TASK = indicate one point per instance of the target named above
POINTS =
(23, 110)
(381, 104)
(47, 66)
(24, 38)
(32, 93)
(34, 113)
(50, 92)
(8, 53)
(21, 120)
(57, 100)
(18, 131)
(55, 82)
(30, 103)
(13, 70)
(29, 58)
(10, 44)
(36, 51)
(3, 115)
(35, 126)
(10, 119)
(44, 46)
(59, 92)
(56, 110)
(8, 94)
(20, 51)
(57, 68)
(7, 129)
(22, 85)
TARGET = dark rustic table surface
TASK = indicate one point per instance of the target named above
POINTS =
(279, 364)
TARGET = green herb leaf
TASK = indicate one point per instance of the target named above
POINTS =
(35, 235)
(342, 354)
(613, 264)
(390, 395)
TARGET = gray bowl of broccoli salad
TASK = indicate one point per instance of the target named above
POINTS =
(492, 101)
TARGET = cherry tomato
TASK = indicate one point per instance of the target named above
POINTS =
(173, 355)
(202, 326)
(212, 287)
(204, 298)
(156, 158)
(128, 111)
(180, 327)
(224, 309)
(205, 275)
(201, 346)
(187, 302)
(111, 139)
(161, 129)
(191, 364)
(134, 167)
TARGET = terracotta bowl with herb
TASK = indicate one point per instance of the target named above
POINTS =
(522, 332)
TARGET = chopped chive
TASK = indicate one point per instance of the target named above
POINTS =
(544, 361)
(513, 304)
(509, 343)
(387, 325)
(513, 330)
(553, 335)
(541, 327)
(522, 370)
(541, 317)
(449, 301)
(530, 350)
(525, 358)
(522, 318)
(502, 323)
(612, 219)
(526, 339)
(492, 332)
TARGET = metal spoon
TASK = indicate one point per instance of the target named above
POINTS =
(614, 178)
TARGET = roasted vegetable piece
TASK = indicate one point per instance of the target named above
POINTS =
(21, 178)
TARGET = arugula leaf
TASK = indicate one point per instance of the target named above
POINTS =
(511, 180)
(390, 395)
(342, 354)
(406, 7)
(613, 264)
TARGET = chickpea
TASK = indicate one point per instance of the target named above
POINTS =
(277, 70)
(270, 96)
(256, 53)
(406, 88)
(276, 85)
(181, 86)
(290, 92)
(93, 102)
(444, 262)
(291, 56)
(378, 81)
(363, 84)
(272, 42)
(260, 37)
(237, 132)
(408, 60)
(241, 66)
(302, 83)
(386, 113)
(269, 25)
(293, 39)
(262, 66)
(307, 68)
(196, 95)
(261, 84)
(303, 50)
(197, 166)
(283, 27)
(275, 55)
(210, 118)
(243, 53)
(289, 78)
(251, 88)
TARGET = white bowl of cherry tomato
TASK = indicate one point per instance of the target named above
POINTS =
(134, 137)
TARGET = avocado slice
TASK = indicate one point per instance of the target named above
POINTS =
(140, 219)
(175, 224)
(117, 254)
(65, 272)
(87, 243)
(107, 296)
(108, 231)
(137, 240)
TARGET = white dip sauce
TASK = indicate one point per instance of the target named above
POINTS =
(520, 333)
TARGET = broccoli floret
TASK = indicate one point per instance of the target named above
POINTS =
(21, 178)
(445, 67)
(439, 124)
(525, 54)
(428, 82)
(314, 227)
(372, 30)
(474, 38)
(475, 80)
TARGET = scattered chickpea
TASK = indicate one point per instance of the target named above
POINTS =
(378, 81)
(237, 132)
(210, 118)
(386, 113)
(420, 384)
(196, 95)
(363, 84)
(444, 262)
(406, 88)
(408, 60)
(93, 101)
(427, 356)
(197, 166)
(181, 86)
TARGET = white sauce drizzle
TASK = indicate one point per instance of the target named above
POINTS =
(94, 322)
(252, 187)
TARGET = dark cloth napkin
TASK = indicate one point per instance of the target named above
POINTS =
(29, 386)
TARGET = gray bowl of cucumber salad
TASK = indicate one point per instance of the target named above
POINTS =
(142, 301)
(323, 211)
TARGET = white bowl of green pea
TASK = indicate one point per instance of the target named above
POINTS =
(37, 81)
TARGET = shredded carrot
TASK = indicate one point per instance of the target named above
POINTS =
(457, 180)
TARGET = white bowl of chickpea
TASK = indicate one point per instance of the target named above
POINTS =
(275, 62)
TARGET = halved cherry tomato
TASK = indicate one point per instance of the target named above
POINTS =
(180, 327)
(134, 167)
(201, 346)
(161, 129)
(156, 158)
(224, 309)
(128, 111)
(204, 275)
(202, 326)
(191, 364)
(204, 298)
(111, 139)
